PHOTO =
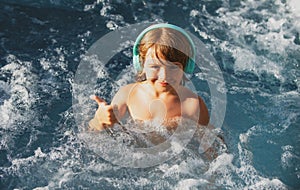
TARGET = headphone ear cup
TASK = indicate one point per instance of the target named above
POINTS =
(136, 63)
(190, 66)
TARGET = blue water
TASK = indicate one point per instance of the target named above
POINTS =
(255, 43)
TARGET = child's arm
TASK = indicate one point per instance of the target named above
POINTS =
(107, 115)
(204, 115)
(120, 100)
(104, 117)
(206, 139)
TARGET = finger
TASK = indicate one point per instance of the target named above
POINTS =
(116, 111)
(99, 100)
(94, 125)
(109, 108)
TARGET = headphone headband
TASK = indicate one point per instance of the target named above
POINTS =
(189, 68)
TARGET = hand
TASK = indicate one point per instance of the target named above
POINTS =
(104, 116)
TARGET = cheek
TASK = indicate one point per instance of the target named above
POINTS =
(178, 74)
(149, 73)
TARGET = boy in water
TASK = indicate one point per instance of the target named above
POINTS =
(162, 54)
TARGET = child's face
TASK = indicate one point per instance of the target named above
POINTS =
(165, 75)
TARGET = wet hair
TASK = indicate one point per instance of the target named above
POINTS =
(168, 44)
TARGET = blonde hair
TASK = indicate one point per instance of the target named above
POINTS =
(170, 43)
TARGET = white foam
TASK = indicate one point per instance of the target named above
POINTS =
(89, 7)
(31, 160)
(249, 175)
(188, 184)
(45, 64)
(250, 132)
(5, 116)
(286, 159)
(295, 9)
(223, 160)
(267, 184)
(288, 156)
(247, 60)
(194, 13)
(269, 34)
(62, 176)
(142, 182)
(243, 138)
(41, 188)
(5, 87)
(20, 88)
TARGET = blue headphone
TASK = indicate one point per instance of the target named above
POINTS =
(189, 68)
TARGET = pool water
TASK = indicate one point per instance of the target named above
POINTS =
(256, 44)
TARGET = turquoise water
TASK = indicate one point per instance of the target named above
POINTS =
(255, 43)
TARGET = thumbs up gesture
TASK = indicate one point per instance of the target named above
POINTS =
(104, 116)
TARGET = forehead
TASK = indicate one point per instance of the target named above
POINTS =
(157, 57)
(155, 54)
(151, 53)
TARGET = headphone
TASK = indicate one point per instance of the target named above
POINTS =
(189, 68)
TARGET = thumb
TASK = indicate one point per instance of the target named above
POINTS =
(99, 100)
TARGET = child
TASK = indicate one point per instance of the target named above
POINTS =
(162, 53)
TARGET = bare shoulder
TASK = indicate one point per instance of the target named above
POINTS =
(188, 96)
(122, 94)
(121, 97)
(127, 88)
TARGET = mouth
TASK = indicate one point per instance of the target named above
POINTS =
(163, 83)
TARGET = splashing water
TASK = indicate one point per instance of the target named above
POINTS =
(256, 44)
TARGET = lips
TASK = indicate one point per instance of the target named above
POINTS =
(163, 83)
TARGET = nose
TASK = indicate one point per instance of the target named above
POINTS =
(163, 73)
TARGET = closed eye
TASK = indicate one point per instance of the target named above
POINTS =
(173, 67)
(154, 66)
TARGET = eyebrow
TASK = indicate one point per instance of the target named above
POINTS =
(176, 63)
(156, 61)
(166, 63)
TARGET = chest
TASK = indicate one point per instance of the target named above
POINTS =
(145, 107)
